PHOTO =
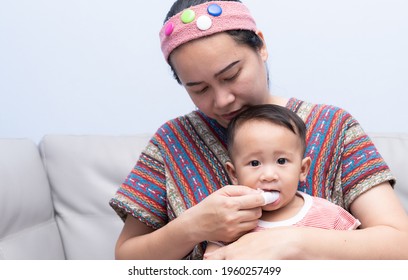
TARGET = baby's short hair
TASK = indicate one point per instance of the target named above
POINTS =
(271, 113)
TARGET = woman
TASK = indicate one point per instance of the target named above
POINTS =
(179, 195)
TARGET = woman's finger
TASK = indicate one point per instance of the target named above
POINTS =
(245, 197)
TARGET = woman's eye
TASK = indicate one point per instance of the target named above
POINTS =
(229, 79)
(254, 163)
(282, 161)
(200, 91)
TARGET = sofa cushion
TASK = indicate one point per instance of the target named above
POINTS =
(84, 173)
(27, 226)
(394, 149)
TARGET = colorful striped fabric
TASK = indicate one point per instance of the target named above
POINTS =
(184, 162)
(345, 162)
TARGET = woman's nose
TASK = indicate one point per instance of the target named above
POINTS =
(223, 97)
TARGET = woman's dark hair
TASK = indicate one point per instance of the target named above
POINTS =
(245, 37)
(270, 113)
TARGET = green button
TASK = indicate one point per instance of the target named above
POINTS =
(187, 16)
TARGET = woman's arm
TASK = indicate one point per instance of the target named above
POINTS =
(383, 235)
(139, 241)
(225, 215)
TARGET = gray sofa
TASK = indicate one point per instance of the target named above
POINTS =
(54, 196)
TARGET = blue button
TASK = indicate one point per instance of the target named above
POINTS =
(214, 10)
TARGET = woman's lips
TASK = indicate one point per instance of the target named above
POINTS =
(231, 115)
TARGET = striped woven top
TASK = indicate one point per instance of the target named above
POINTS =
(184, 162)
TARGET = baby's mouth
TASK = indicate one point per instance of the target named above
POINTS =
(270, 196)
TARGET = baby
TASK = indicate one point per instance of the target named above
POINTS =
(266, 144)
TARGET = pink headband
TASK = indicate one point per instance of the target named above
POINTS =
(203, 20)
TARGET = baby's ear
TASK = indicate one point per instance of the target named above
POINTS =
(306, 162)
(231, 172)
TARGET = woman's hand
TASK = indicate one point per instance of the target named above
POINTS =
(286, 243)
(277, 243)
(226, 214)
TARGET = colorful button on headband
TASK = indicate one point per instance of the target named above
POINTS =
(187, 16)
(204, 20)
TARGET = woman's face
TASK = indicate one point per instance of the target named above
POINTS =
(221, 76)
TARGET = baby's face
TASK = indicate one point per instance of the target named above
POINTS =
(269, 157)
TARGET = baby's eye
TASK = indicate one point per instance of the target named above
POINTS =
(281, 161)
(254, 163)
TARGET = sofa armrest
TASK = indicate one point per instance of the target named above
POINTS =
(27, 226)
(84, 173)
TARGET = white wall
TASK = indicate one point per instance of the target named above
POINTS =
(95, 66)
